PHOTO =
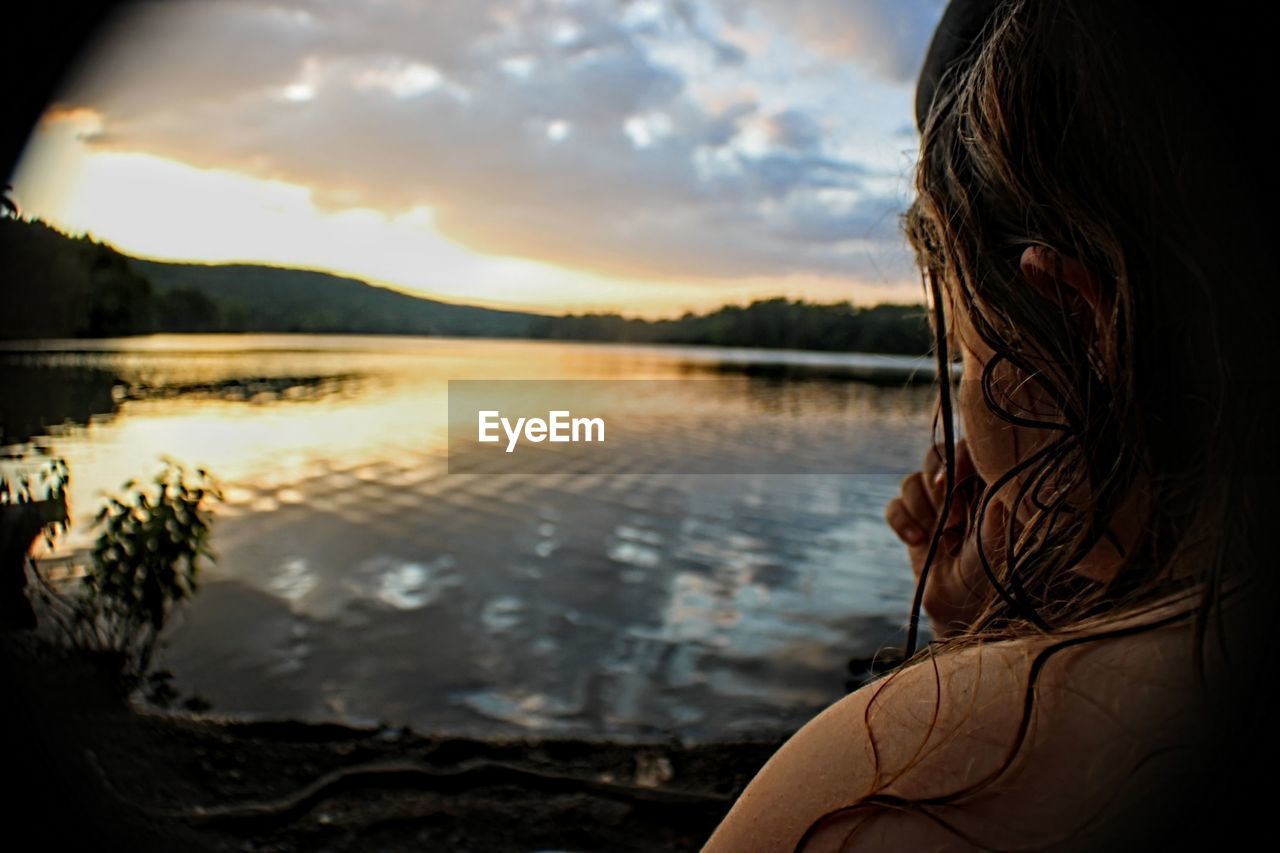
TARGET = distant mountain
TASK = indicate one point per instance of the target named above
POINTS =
(256, 298)
(56, 286)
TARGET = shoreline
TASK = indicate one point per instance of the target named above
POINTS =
(86, 760)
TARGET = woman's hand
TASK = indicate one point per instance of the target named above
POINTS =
(957, 584)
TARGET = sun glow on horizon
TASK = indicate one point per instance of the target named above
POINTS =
(162, 209)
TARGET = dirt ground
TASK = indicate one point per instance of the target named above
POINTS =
(87, 769)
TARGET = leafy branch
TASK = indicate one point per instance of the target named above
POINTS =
(145, 562)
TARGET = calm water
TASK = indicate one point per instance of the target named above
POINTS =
(358, 580)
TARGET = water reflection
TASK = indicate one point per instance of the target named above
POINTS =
(356, 578)
(39, 397)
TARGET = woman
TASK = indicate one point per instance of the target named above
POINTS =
(1091, 555)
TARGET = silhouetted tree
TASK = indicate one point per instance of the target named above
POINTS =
(8, 207)
(119, 299)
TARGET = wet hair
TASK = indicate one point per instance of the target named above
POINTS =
(1119, 135)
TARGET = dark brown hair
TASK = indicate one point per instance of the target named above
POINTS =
(1118, 135)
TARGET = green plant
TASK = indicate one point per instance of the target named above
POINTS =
(145, 562)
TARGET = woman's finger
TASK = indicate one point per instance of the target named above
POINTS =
(935, 483)
(908, 528)
(934, 462)
(919, 499)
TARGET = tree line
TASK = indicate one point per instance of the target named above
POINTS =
(60, 286)
(56, 286)
(776, 323)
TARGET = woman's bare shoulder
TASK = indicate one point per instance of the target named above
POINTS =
(833, 759)
(971, 718)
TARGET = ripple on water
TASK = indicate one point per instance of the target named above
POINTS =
(526, 709)
(634, 554)
(293, 579)
(408, 584)
(503, 613)
(595, 598)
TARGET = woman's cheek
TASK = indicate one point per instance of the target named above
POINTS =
(983, 431)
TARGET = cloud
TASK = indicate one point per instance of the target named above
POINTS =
(889, 37)
(797, 129)
(644, 140)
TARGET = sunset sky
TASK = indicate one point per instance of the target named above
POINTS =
(558, 155)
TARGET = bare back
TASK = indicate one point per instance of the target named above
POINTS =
(1088, 749)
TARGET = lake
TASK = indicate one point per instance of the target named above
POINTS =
(359, 580)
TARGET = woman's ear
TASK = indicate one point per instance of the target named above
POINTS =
(1069, 283)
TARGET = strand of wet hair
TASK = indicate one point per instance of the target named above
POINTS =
(943, 362)
(1017, 598)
